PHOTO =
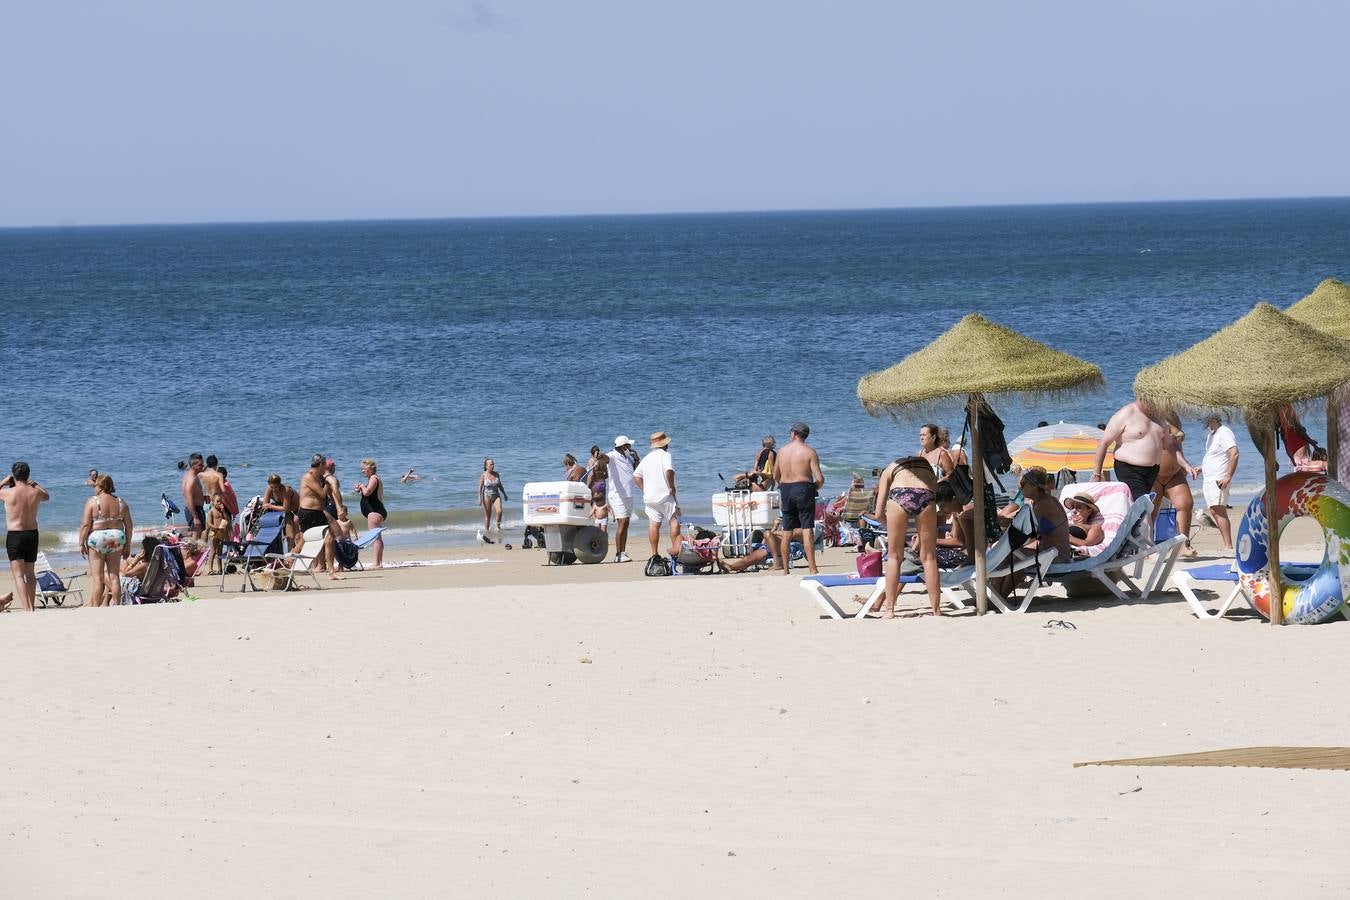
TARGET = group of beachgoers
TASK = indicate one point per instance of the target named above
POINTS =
(214, 524)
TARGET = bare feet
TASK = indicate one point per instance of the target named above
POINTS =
(5, 601)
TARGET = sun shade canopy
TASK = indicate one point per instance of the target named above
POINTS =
(974, 356)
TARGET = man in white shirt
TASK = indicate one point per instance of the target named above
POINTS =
(619, 489)
(1218, 466)
(655, 476)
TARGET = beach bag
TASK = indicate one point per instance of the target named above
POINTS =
(869, 564)
(657, 565)
(347, 554)
(963, 483)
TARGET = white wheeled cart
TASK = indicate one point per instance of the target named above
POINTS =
(741, 513)
(563, 510)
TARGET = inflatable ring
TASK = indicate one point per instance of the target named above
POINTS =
(1310, 599)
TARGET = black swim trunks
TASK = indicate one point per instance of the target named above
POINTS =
(1139, 479)
(311, 518)
(799, 505)
(197, 517)
(22, 546)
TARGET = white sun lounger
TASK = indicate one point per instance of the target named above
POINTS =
(956, 583)
(1132, 546)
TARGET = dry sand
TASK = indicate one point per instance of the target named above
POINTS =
(507, 729)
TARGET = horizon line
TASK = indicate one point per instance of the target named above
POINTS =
(664, 213)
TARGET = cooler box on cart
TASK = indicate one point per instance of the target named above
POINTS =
(557, 503)
(759, 509)
(563, 510)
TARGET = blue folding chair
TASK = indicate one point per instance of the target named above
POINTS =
(249, 553)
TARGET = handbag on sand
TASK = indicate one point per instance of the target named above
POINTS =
(869, 564)
(657, 565)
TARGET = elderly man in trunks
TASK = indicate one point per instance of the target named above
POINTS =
(194, 495)
(1141, 438)
(21, 497)
(315, 493)
(797, 472)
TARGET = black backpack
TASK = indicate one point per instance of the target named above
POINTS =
(657, 565)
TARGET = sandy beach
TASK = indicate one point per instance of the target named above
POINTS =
(505, 729)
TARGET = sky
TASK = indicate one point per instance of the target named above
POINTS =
(165, 111)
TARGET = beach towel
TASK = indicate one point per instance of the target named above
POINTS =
(1112, 499)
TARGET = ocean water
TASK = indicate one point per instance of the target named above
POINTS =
(432, 344)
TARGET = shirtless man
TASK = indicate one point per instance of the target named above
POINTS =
(21, 498)
(194, 499)
(799, 479)
(315, 492)
(1141, 438)
(212, 483)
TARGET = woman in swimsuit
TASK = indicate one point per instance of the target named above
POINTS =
(904, 495)
(597, 471)
(930, 447)
(1171, 482)
(372, 504)
(104, 540)
(1052, 526)
(491, 493)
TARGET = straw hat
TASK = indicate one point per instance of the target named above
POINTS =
(660, 439)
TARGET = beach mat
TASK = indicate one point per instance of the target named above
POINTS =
(1255, 757)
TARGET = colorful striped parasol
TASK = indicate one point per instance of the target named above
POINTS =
(1060, 446)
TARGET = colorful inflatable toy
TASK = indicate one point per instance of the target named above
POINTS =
(1312, 599)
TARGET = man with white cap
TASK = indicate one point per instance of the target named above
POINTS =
(619, 489)
(655, 475)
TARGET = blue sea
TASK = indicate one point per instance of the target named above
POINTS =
(432, 344)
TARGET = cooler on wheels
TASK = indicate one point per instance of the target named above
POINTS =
(563, 510)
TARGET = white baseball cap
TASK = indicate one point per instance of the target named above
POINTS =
(622, 439)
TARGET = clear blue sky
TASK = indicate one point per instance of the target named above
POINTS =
(171, 111)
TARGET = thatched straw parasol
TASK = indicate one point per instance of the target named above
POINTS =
(1327, 309)
(1261, 362)
(977, 359)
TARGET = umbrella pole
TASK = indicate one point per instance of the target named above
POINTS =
(977, 476)
(1268, 450)
(1334, 433)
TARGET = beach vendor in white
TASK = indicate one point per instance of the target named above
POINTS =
(619, 492)
(655, 476)
(1218, 466)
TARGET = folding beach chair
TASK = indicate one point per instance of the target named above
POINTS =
(51, 588)
(164, 576)
(250, 553)
(365, 541)
(290, 565)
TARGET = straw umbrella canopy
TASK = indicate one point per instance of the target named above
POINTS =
(975, 359)
(1261, 362)
(1327, 309)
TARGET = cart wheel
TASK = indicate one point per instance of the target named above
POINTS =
(566, 559)
(554, 559)
(590, 545)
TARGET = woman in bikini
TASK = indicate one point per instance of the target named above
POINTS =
(906, 494)
(491, 493)
(105, 540)
(372, 504)
(1052, 527)
(1173, 469)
